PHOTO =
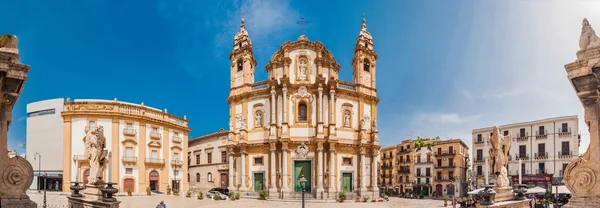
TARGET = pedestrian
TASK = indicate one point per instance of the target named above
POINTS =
(162, 204)
(453, 202)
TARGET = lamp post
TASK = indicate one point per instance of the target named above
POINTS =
(45, 175)
(302, 182)
(35, 156)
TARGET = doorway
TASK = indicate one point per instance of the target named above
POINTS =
(224, 182)
(154, 181)
(129, 184)
(347, 182)
(438, 189)
(259, 179)
(302, 169)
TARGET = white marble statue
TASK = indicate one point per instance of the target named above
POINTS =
(96, 155)
(302, 67)
(588, 37)
(347, 118)
(498, 156)
(258, 119)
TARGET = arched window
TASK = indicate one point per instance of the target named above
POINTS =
(197, 177)
(209, 177)
(302, 112)
(240, 65)
(239, 45)
(366, 44)
(367, 65)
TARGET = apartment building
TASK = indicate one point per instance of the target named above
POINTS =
(405, 166)
(207, 161)
(424, 167)
(545, 147)
(387, 179)
(451, 160)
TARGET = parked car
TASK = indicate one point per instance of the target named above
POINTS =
(210, 194)
(221, 190)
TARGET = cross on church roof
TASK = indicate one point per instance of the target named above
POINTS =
(302, 22)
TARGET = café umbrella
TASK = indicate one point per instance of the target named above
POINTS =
(476, 191)
(536, 190)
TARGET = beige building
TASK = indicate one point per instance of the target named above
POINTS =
(147, 145)
(387, 176)
(451, 160)
(303, 122)
(207, 161)
(405, 177)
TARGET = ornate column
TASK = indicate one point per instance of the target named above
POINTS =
(320, 168)
(363, 174)
(332, 132)
(284, 123)
(320, 115)
(284, 166)
(273, 128)
(230, 172)
(374, 166)
(332, 169)
(243, 172)
(273, 177)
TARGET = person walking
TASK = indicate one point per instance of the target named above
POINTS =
(454, 202)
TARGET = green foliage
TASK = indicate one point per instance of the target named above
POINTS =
(148, 189)
(175, 191)
(199, 195)
(168, 188)
(263, 194)
(445, 199)
(188, 194)
(216, 197)
(366, 198)
(129, 190)
(342, 195)
(237, 195)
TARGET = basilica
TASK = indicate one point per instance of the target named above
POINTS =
(303, 122)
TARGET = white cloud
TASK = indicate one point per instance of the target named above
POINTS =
(449, 118)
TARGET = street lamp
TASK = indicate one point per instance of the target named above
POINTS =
(45, 175)
(302, 182)
(35, 156)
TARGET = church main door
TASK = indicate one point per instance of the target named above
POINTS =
(302, 169)
(347, 182)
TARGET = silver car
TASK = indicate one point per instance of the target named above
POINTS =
(211, 193)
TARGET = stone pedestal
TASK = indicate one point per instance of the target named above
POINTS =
(508, 204)
(93, 192)
(17, 203)
(503, 194)
(83, 202)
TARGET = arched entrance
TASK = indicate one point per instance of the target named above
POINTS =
(439, 189)
(450, 190)
(153, 180)
(129, 184)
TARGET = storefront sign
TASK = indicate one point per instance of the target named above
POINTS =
(533, 179)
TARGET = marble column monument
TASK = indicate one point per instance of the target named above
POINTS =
(16, 174)
(582, 175)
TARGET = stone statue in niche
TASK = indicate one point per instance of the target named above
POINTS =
(588, 38)
(302, 67)
(347, 118)
(375, 125)
(94, 152)
(258, 118)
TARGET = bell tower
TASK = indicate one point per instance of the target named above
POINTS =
(365, 58)
(242, 59)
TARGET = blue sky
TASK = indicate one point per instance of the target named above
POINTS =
(444, 67)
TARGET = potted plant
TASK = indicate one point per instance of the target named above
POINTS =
(445, 201)
(128, 191)
(168, 190)
(357, 200)
(176, 192)
(199, 196)
(263, 194)
(366, 198)
(188, 194)
(231, 196)
(342, 197)
(373, 200)
(216, 197)
(237, 195)
(148, 191)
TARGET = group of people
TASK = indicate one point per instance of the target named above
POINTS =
(161, 205)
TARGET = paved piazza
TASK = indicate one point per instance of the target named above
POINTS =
(172, 201)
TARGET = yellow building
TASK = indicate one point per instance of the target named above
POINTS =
(450, 160)
(405, 166)
(147, 145)
(387, 179)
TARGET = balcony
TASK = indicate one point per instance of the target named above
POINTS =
(446, 153)
(541, 135)
(565, 154)
(88, 128)
(129, 132)
(478, 141)
(541, 171)
(445, 179)
(522, 137)
(479, 160)
(155, 135)
(541, 155)
(522, 156)
(177, 162)
(404, 151)
(446, 166)
(402, 172)
(130, 160)
(564, 131)
(155, 161)
(177, 139)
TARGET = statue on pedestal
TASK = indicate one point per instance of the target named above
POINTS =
(498, 157)
(95, 142)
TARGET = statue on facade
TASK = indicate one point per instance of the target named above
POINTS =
(588, 37)
(375, 129)
(498, 153)
(96, 154)
(302, 67)
(347, 118)
(258, 119)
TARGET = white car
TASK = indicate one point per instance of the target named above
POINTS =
(211, 193)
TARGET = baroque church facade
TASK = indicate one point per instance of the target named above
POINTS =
(303, 122)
